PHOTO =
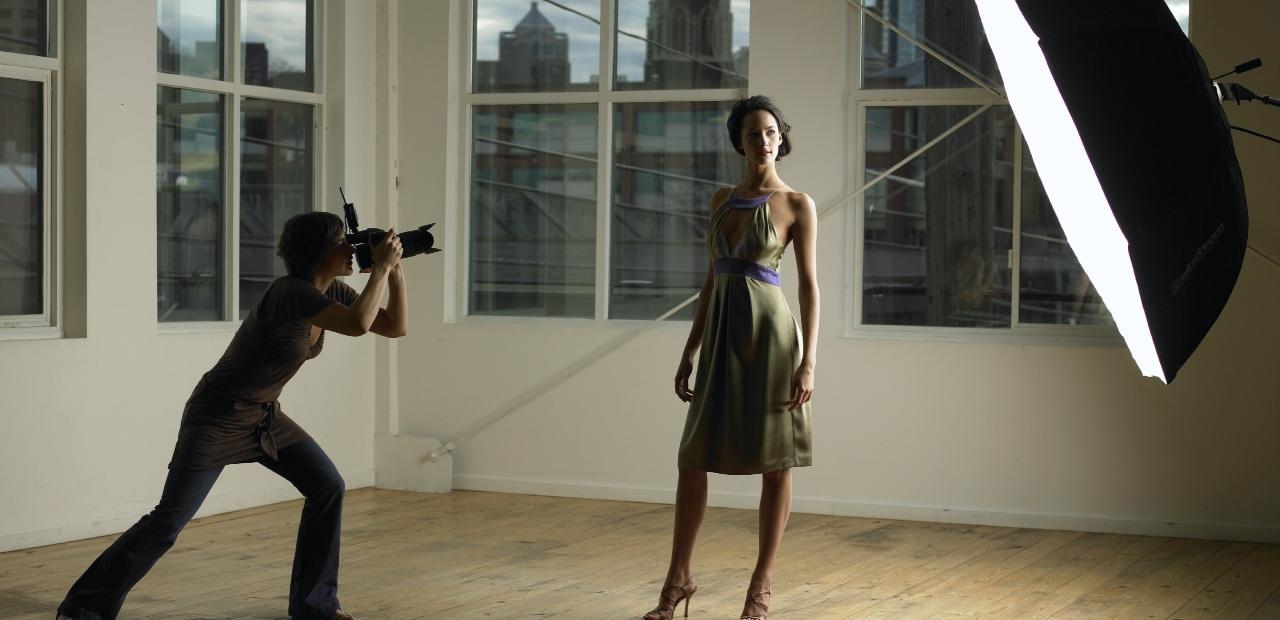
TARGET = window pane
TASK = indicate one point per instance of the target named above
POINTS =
(948, 27)
(189, 37)
(682, 44)
(276, 43)
(669, 158)
(1054, 288)
(276, 172)
(21, 197)
(189, 205)
(938, 231)
(523, 46)
(533, 211)
(24, 27)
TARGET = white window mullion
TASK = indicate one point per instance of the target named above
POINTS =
(319, 52)
(859, 179)
(279, 94)
(187, 82)
(234, 71)
(604, 185)
(466, 105)
(47, 205)
(604, 171)
(1015, 270)
(231, 259)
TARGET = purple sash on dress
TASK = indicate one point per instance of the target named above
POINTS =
(750, 269)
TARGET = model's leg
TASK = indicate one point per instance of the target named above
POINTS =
(101, 590)
(775, 509)
(691, 506)
(313, 589)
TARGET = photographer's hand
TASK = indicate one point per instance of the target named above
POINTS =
(387, 253)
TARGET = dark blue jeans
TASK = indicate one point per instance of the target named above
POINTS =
(313, 589)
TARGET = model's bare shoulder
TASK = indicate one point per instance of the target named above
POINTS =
(800, 203)
(719, 198)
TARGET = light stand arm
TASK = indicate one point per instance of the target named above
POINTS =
(1252, 132)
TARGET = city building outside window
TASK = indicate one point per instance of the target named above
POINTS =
(237, 105)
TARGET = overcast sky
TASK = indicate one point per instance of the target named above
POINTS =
(281, 24)
(494, 17)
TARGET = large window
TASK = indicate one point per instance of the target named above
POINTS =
(29, 76)
(594, 151)
(236, 147)
(954, 229)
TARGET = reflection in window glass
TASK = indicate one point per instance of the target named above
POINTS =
(533, 210)
(21, 197)
(950, 28)
(523, 46)
(276, 43)
(669, 159)
(1054, 288)
(189, 205)
(276, 183)
(189, 37)
(938, 234)
(23, 27)
(666, 44)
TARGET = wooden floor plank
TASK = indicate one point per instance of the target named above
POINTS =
(1238, 592)
(472, 555)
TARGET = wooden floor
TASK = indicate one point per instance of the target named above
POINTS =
(489, 555)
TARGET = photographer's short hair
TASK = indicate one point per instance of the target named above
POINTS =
(305, 239)
(751, 104)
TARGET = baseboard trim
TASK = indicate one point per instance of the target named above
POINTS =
(116, 522)
(851, 508)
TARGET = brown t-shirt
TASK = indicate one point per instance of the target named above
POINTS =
(233, 415)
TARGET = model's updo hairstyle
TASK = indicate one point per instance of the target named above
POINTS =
(751, 104)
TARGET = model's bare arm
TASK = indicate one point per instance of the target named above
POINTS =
(685, 368)
(805, 235)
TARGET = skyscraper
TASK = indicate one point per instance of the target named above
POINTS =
(532, 57)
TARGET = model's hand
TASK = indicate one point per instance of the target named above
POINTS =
(682, 380)
(387, 253)
(801, 387)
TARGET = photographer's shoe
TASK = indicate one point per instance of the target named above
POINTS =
(341, 615)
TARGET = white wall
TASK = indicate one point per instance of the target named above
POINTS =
(1048, 436)
(89, 422)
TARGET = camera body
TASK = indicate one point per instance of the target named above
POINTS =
(414, 242)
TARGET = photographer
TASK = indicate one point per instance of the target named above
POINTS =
(233, 416)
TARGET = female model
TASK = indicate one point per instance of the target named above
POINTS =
(750, 411)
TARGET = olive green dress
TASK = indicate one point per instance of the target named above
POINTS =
(738, 421)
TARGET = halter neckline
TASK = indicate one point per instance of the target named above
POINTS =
(745, 203)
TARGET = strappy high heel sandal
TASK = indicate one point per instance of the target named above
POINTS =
(682, 593)
(761, 601)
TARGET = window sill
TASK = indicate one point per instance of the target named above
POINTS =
(1065, 335)
(570, 323)
(198, 327)
(31, 333)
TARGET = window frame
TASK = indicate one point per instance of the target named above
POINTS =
(234, 90)
(48, 71)
(853, 327)
(605, 97)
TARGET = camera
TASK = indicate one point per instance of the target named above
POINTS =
(414, 242)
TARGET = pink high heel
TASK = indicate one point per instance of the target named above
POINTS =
(683, 593)
(760, 600)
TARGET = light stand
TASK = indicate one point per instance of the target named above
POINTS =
(1231, 91)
